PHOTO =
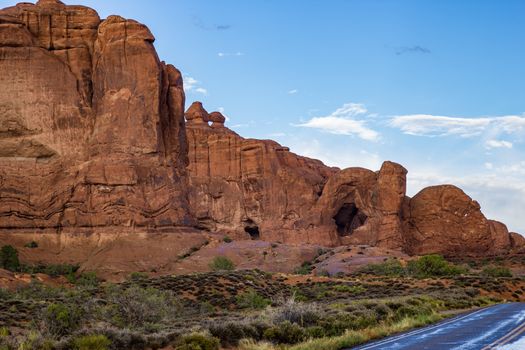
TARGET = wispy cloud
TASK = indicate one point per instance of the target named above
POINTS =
(412, 49)
(318, 150)
(192, 85)
(226, 54)
(293, 91)
(432, 125)
(344, 121)
(489, 144)
(199, 23)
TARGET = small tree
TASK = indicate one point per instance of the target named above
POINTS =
(222, 263)
(9, 258)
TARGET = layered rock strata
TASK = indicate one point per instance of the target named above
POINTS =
(91, 122)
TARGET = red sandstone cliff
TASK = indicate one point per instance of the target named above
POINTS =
(93, 138)
(91, 122)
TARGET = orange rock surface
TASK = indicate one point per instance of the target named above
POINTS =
(95, 146)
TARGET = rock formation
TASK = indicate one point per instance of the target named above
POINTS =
(91, 122)
(443, 219)
(94, 141)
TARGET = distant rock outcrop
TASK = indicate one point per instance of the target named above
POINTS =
(95, 142)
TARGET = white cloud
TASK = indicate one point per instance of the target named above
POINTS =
(192, 85)
(277, 134)
(225, 54)
(317, 150)
(221, 109)
(343, 122)
(497, 144)
(293, 92)
(433, 125)
(189, 82)
(489, 166)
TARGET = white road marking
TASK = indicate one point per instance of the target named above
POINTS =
(471, 316)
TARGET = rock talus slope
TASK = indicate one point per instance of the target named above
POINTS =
(95, 142)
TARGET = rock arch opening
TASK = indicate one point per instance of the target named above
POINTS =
(252, 229)
(348, 218)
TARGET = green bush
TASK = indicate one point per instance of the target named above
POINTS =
(9, 258)
(496, 271)
(137, 307)
(222, 263)
(252, 300)
(433, 266)
(285, 333)
(87, 279)
(31, 244)
(305, 269)
(197, 341)
(230, 333)
(227, 239)
(390, 267)
(92, 342)
(61, 319)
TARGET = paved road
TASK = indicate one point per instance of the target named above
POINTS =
(500, 327)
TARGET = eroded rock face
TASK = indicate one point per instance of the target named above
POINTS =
(261, 190)
(249, 188)
(91, 122)
(94, 141)
(443, 219)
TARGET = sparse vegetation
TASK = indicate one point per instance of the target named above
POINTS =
(227, 307)
(31, 244)
(9, 258)
(496, 271)
(222, 263)
(252, 300)
(91, 342)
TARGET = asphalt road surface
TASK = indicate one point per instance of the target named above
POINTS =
(500, 327)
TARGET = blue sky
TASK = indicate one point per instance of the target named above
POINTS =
(434, 85)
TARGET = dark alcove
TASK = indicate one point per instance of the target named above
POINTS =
(251, 228)
(348, 218)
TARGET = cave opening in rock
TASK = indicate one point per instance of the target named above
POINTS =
(349, 218)
(252, 229)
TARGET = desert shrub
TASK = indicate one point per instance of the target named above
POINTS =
(222, 263)
(61, 319)
(87, 279)
(9, 258)
(34, 341)
(138, 276)
(355, 289)
(252, 300)
(230, 333)
(285, 333)
(197, 341)
(315, 332)
(496, 271)
(227, 239)
(304, 314)
(91, 342)
(433, 265)
(304, 269)
(139, 307)
(4, 332)
(390, 267)
(31, 244)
